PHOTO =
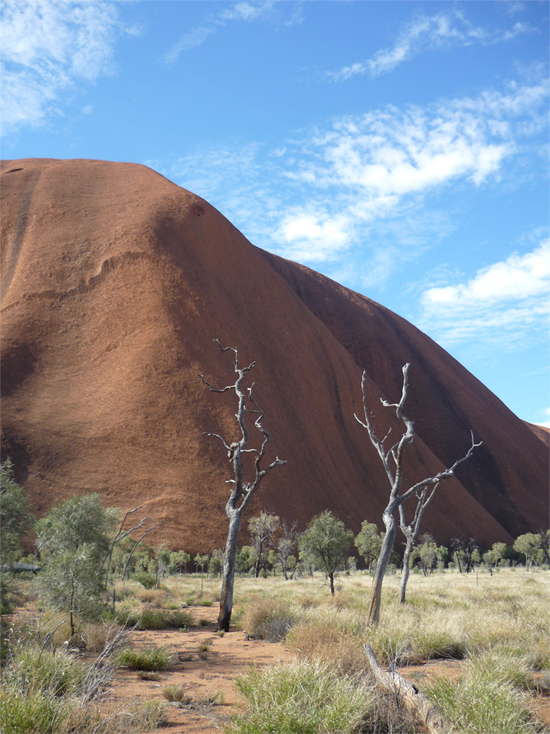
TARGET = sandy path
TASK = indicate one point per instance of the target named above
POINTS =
(202, 679)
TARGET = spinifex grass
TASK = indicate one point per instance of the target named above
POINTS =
(154, 658)
(301, 698)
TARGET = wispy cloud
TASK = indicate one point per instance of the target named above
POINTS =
(500, 303)
(47, 46)
(239, 12)
(336, 193)
(442, 30)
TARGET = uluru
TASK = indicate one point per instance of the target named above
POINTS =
(115, 283)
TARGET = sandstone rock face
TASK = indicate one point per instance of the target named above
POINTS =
(115, 282)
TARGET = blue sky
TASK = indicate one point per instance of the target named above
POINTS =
(398, 147)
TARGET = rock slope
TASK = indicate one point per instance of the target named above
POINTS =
(115, 282)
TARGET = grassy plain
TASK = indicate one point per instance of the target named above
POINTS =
(491, 632)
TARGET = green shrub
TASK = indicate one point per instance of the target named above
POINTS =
(145, 579)
(155, 619)
(30, 713)
(154, 658)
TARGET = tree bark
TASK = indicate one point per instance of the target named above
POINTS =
(381, 566)
(406, 568)
(228, 581)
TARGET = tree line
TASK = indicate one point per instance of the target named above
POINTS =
(82, 547)
(81, 544)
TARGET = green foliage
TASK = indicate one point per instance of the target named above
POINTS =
(178, 562)
(262, 529)
(325, 544)
(215, 565)
(15, 515)
(145, 579)
(73, 540)
(201, 561)
(156, 619)
(533, 547)
(369, 542)
(154, 658)
(15, 520)
(245, 559)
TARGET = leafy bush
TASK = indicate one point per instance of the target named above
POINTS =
(145, 579)
(154, 658)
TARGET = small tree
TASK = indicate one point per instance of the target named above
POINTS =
(262, 529)
(528, 545)
(242, 490)
(325, 544)
(369, 542)
(464, 554)
(392, 459)
(286, 546)
(179, 561)
(73, 540)
(15, 520)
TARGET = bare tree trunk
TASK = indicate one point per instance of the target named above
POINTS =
(242, 491)
(392, 459)
(406, 568)
(381, 566)
(228, 581)
(331, 579)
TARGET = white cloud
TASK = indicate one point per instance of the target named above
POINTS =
(435, 31)
(240, 12)
(189, 40)
(48, 45)
(517, 278)
(498, 304)
(337, 193)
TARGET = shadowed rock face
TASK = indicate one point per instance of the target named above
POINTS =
(115, 283)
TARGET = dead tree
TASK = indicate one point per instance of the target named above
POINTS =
(423, 498)
(242, 491)
(392, 459)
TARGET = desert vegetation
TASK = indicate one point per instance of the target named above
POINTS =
(472, 633)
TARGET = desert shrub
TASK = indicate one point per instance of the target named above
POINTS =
(155, 619)
(152, 597)
(145, 579)
(154, 658)
(173, 693)
(267, 619)
(322, 640)
(147, 716)
(35, 670)
(484, 700)
(31, 713)
(97, 637)
(302, 698)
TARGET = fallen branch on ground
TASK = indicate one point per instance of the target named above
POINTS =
(409, 695)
